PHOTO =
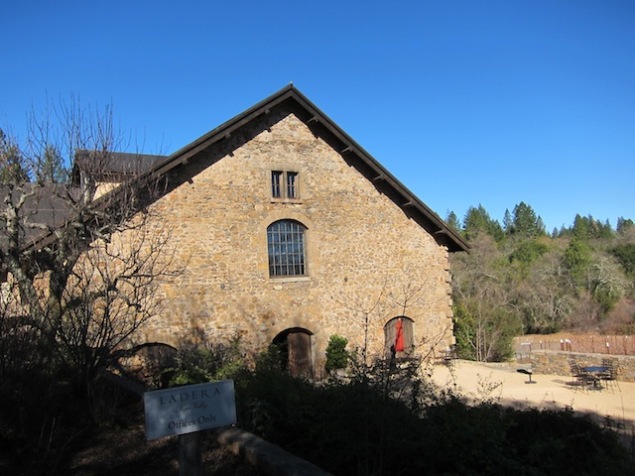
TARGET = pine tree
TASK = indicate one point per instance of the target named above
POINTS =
(477, 220)
(508, 224)
(50, 167)
(525, 223)
(624, 224)
(453, 221)
(12, 170)
(577, 259)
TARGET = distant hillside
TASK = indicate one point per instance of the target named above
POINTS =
(518, 279)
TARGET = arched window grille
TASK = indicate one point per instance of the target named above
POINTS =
(286, 241)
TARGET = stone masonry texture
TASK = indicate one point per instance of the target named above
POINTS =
(367, 262)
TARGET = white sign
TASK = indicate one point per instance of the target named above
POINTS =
(180, 410)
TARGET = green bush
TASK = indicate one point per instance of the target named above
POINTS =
(195, 364)
(625, 254)
(336, 354)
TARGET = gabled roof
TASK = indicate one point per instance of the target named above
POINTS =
(45, 208)
(321, 125)
(350, 150)
(107, 166)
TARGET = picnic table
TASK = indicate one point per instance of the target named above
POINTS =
(596, 372)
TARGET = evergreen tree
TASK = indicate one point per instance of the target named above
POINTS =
(540, 225)
(528, 251)
(525, 222)
(453, 221)
(477, 220)
(577, 259)
(606, 231)
(508, 224)
(564, 231)
(624, 224)
(12, 170)
(580, 228)
(625, 254)
(50, 166)
(585, 228)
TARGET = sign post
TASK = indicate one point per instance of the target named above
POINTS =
(190, 454)
(186, 411)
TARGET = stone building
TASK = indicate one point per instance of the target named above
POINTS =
(289, 232)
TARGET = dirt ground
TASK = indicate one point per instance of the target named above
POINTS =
(127, 453)
(503, 383)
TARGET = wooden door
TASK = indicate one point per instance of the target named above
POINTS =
(299, 347)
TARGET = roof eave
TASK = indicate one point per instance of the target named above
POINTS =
(454, 242)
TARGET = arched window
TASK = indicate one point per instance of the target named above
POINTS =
(399, 337)
(286, 245)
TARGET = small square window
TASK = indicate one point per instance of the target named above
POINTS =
(284, 184)
(292, 181)
(276, 184)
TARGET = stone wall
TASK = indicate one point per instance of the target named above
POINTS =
(557, 363)
(367, 261)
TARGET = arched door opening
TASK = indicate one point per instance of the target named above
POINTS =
(295, 348)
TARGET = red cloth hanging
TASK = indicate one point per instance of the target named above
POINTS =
(400, 344)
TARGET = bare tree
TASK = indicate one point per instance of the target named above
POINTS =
(484, 322)
(397, 297)
(19, 353)
(112, 294)
(83, 259)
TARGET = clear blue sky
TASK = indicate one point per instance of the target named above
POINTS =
(466, 102)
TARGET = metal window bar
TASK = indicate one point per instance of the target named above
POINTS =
(276, 184)
(292, 183)
(286, 249)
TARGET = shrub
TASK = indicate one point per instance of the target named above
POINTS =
(194, 364)
(354, 427)
(387, 420)
(336, 354)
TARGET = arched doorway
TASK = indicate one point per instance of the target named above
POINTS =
(295, 347)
